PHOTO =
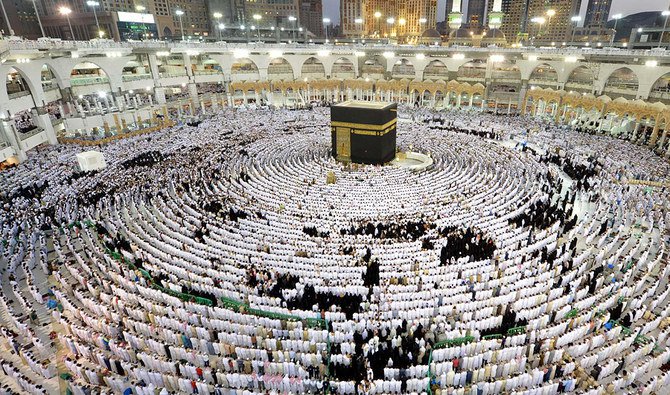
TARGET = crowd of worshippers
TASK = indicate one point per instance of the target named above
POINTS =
(410, 230)
(581, 172)
(460, 243)
(449, 126)
(408, 343)
(148, 158)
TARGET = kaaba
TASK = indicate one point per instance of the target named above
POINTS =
(364, 132)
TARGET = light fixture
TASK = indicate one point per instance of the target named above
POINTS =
(358, 20)
(217, 15)
(378, 14)
(402, 21)
(179, 12)
(423, 20)
(576, 18)
(292, 18)
(570, 59)
(497, 58)
(390, 21)
(140, 8)
(257, 17)
(222, 26)
(420, 56)
(651, 63)
(551, 13)
(240, 53)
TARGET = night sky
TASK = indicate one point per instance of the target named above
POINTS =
(331, 7)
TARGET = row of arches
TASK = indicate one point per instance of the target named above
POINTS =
(622, 82)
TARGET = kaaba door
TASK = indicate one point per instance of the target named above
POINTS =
(343, 141)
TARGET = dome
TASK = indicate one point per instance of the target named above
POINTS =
(431, 33)
(495, 34)
(462, 32)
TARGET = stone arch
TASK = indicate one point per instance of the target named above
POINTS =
(134, 67)
(436, 70)
(506, 70)
(374, 67)
(16, 83)
(475, 69)
(660, 90)
(208, 65)
(245, 69)
(544, 73)
(280, 69)
(580, 79)
(313, 68)
(343, 68)
(48, 77)
(623, 82)
(403, 68)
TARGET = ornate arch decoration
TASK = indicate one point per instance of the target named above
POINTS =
(358, 84)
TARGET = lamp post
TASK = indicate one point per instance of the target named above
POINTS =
(217, 16)
(37, 14)
(390, 22)
(575, 20)
(359, 22)
(616, 21)
(180, 13)
(222, 27)
(258, 18)
(326, 21)
(550, 14)
(93, 4)
(666, 14)
(422, 21)
(377, 16)
(66, 11)
(293, 19)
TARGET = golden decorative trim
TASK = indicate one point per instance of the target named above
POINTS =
(365, 126)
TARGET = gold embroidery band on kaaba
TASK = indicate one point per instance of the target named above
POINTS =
(365, 126)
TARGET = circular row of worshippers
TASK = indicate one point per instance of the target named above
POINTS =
(114, 325)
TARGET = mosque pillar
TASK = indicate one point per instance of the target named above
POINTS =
(522, 93)
(458, 101)
(635, 131)
(263, 73)
(43, 121)
(664, 136)
(160, 95)
(654, 136)
(153, 68)
(188, 65)
(193, 91)
(8, 129)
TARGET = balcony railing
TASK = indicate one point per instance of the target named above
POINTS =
(135, 77)
(29, 134)
(16, 95)
(81, 81)
(55, 44)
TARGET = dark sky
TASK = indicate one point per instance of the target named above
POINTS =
(331, 7)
